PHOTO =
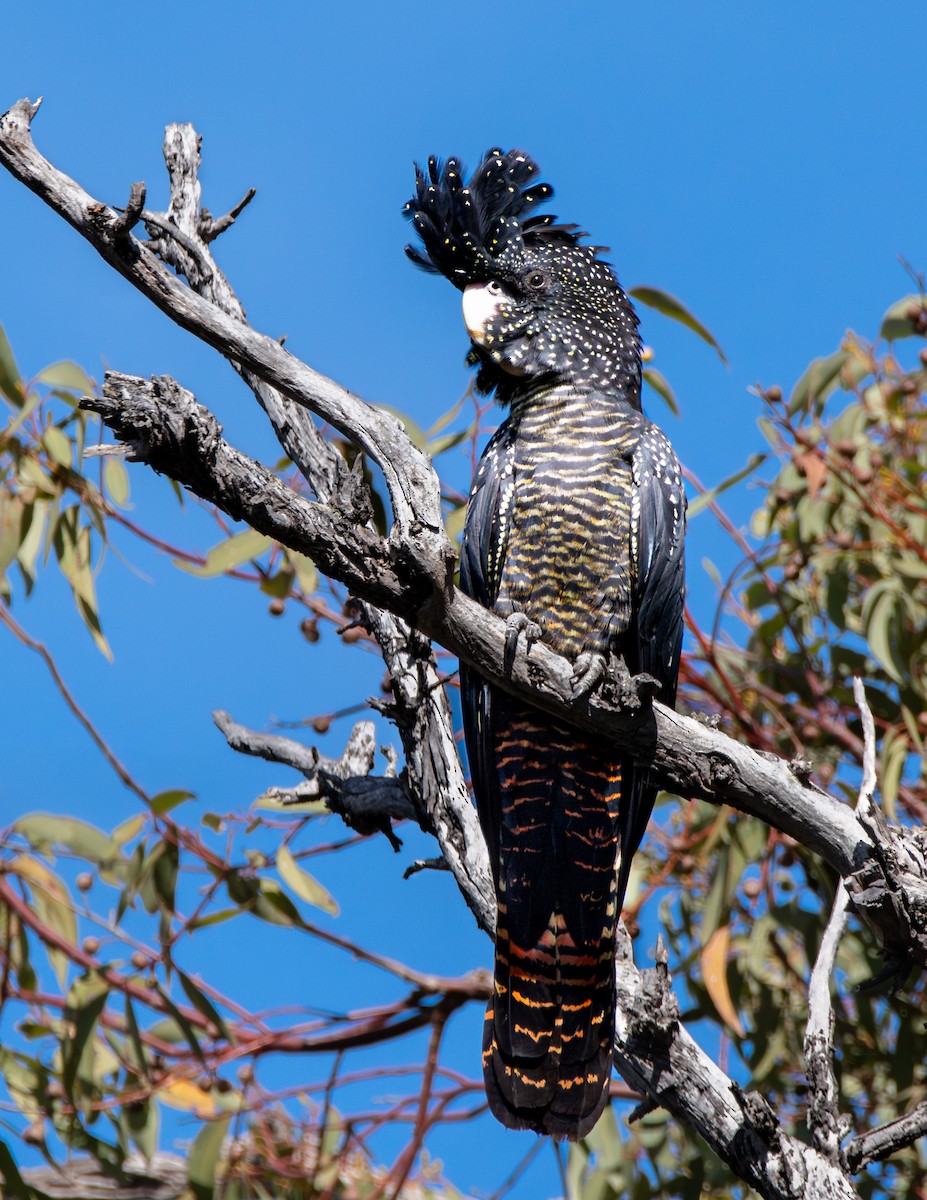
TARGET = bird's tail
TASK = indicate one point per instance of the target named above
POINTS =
(547, 1047)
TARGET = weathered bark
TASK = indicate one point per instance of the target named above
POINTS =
(404, 582)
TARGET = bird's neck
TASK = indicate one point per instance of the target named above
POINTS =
(624, 390)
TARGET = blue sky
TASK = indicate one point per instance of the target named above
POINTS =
(762, 162)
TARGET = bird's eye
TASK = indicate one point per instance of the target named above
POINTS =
(494, 287)
(537, 280)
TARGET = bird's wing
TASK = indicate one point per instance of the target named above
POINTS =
(654, 641)
(489, 510)
(481, 560)
(659, 559)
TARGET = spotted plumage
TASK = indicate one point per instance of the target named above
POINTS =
(574, 528)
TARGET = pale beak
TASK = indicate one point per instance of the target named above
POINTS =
(480, 306)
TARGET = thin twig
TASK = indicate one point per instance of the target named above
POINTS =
(403, 1165)
(20, 634)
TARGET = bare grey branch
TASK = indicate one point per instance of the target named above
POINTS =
(885, 1141)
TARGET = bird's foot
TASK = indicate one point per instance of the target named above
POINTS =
(517, 624)
(588, 670)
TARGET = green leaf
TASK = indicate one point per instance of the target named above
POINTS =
(440, 445)
(13, 517)
(85, 1002)
(165, 802)
(58, 445)
(605, 1141)
(881, 618)
(44, 831)
(167, 1030)
(717, 903)
(126, 831)
(72, 547)
(116, 481)
(53, 906)
(146, 882)
(142, 1119)
(454, 522)
(32, 474)
(10, 379)
(661, 386)
(204, 1157)
(896, 323)
(164, 874)
(216, 918)
(273, 905)
(182, 1023)
(32, 541)
(306, 572)
(135, 1040)
(699, 502)
(279, 584)
(837, 583)
(818, 381)
(25, 1079)
(712, 572)
(240, 548)
(67, 375)
(302, 884)
(895, 752)
(445, 419)
(577, 1163)
(204, 1005)
(670, 307)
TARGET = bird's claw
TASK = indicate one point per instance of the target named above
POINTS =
(517, 624)
(588, 670)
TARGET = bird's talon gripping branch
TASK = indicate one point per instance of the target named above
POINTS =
(516, 625)
(588, 671)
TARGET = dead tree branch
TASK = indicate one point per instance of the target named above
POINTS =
(433, 776)
(365, 802)
(827, 1127)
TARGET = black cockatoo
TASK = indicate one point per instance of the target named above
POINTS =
(574, 533)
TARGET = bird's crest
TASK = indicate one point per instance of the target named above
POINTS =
(467, 225)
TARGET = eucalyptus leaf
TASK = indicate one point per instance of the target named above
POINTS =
(226, 556)
(58, 446)
(165, 802)
(660, 384)
(116, 481)
(46, 831)
(10, 380)
(304, 885)
(897, 322)
(67, 375)
(673, 308)
(818, 381)
(53, 906)
(204, 1157)
(204, 1005)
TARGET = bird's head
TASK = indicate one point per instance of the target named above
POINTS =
(536, 300)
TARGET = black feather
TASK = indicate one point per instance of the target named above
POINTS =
(464, 225)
